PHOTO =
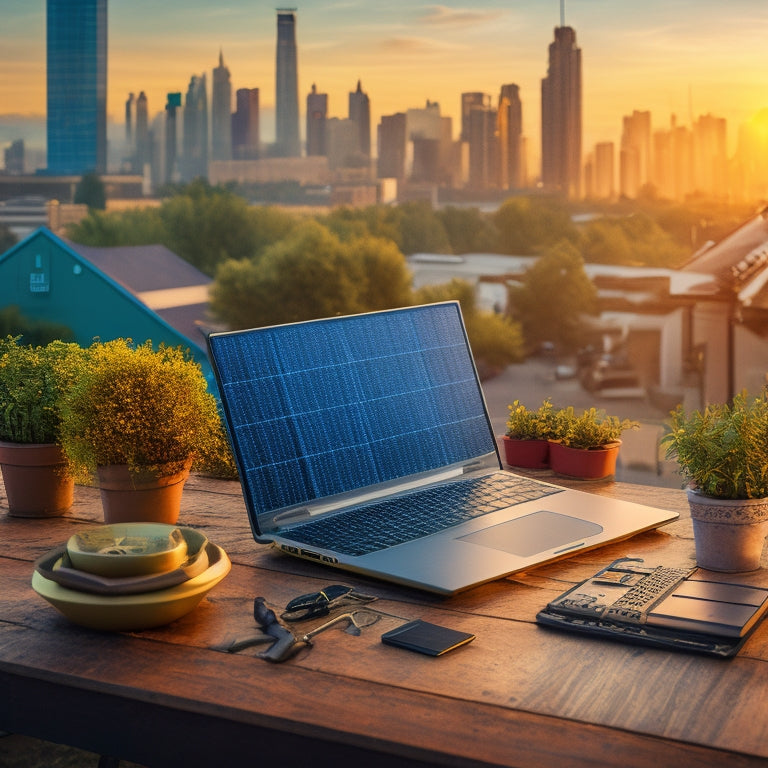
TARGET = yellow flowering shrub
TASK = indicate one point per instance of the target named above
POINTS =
(142, 407)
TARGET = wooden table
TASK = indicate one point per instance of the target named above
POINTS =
(519, 695)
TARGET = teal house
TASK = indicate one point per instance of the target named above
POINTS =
(138, 292)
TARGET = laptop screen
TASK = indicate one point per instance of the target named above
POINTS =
(331, 406)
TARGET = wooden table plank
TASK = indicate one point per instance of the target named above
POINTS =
(519, 694)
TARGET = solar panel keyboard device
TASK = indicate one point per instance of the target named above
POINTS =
(341, 425)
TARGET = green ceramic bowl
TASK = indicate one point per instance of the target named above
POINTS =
(128, 549)
(125, 613)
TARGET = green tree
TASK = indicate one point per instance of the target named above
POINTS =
(206, 226)
(386, 280)
(310, 274)
(90, 191)
(604, 242)
(553, 298)
(33, 331)
(527, 225)
(375, 220)
(413, 226)
(421, 229)
(136, 226)
(7, 238)
(469, 230)
(307, 275)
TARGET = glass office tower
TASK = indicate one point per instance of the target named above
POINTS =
(287, 142)
(77, 86)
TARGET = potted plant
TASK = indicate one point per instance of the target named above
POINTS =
(722, 452)
(586, 445)
(137, 419)
(526, 442)
(32, 381)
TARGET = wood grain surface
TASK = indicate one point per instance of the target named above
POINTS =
(519, 695)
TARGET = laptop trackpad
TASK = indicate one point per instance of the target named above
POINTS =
(538, 532)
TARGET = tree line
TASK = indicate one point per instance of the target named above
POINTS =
(271, 265)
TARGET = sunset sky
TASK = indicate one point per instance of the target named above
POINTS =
(667, 56)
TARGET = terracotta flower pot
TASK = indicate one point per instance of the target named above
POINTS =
(35, 478)
(729, 533)
(584, 463)
(531, 454)
(141, 496)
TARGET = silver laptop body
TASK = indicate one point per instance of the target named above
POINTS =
(341, 425)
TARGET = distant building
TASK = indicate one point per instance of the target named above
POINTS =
(710, 156)
(425, 130)
(221, 113)
(14, 157)
(317, 114)
(143, 148)
(194, 161)
(306, 171)
(604, 188)
(246, 131)
(76, 72)
(341, 140)
(635, 154)
(287, 142)
(392, 139)
(483, 146)
(171, 171)
(561, 116)
(468, 101)
(673, 161)
(129, 103)
(511, 138)
(360, 115)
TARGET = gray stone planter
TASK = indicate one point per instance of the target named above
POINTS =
(729, 533)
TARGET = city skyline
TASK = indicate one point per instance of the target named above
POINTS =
(680, 58)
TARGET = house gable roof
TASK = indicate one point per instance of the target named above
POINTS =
(174, 291)
(736, 259)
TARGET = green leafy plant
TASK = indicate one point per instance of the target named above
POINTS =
(33, 380)
(149, 409)
(526, 424)
(592, 428)
(722, 450)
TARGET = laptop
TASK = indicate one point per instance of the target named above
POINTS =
(364, 442)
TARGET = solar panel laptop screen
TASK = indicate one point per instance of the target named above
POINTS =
(364, 442)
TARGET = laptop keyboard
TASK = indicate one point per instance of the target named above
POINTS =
(392, 521)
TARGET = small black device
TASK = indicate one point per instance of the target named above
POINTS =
(423, 637)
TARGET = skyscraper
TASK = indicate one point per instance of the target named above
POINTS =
(142, 133)
(76, 40)
(561, 115)
(510, 140)
(483, 145)
(287, 143)
(635, 153)
(170, 173)
(195, 140)
(246, 135)
(221, 113)
(317, 114)
(469, 100)
(360, 115)
(392, 146)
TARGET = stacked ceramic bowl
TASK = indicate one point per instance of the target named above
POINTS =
(130, 576)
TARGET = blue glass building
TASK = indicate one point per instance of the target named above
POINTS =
(77, 86)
